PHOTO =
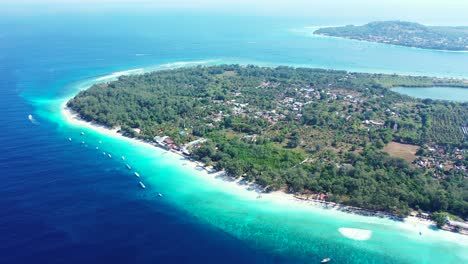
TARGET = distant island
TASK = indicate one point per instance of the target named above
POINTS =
(404, 34)
(327, 135)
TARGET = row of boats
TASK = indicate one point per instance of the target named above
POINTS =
(140, 183)
(143, 186)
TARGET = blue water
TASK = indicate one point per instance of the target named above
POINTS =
(64, 202)
(439, 93)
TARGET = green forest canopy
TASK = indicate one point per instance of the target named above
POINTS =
(297, 129)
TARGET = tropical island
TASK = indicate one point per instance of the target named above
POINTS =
(404, 34)
(334, 136)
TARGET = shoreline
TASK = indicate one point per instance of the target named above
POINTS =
(315, 28)
(240, 184)
(390, 44)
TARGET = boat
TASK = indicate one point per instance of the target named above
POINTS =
(100, 142)
(97, 147)
(31, 118)
(142, 185)
(69, 139)
(104, 153)
(82, 142)
(123, 157)
(82, 133)
(137, 174)
(128, 166)
(325, 260)
(109, 155)
(160, 195)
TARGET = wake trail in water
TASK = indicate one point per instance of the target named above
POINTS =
(33, 120)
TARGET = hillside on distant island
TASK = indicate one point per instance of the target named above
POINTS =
(334, 135)
(404, 34)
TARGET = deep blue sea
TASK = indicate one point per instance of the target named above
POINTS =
(62, 202)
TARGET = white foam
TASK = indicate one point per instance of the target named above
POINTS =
(120, 73)
(355, 233)
(180, 64)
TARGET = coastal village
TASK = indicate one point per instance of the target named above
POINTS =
(289, 105)
(435, 159)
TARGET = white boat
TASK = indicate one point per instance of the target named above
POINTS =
(104, 153)
(160, 195)
(82, 133)
(325, 260)
(69, 139)
(33, 120)
(137, 174)
(128, 166)
(142, 185)
(97, 147)
(100, 142)
(82, 142)
(109, 155)
(123, 158)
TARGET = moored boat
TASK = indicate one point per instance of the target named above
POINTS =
(69, 139)
(142, 185)
(123, 157)
(128, 166)
(325, 260)
(109, 155)
(160, 195)
(137, 174)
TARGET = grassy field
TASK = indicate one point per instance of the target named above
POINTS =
(405, 151)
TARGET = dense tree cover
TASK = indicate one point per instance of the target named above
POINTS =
(302, 130)
(439, 218)
(404, 34)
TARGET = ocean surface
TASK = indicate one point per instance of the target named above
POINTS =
(65, 202)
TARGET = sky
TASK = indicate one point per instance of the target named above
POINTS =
(449, 12)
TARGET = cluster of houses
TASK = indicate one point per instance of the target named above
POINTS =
(166, 142)
(271, 116)
(286, 104)
(169, 144)
(352, 99)
(440, 158)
